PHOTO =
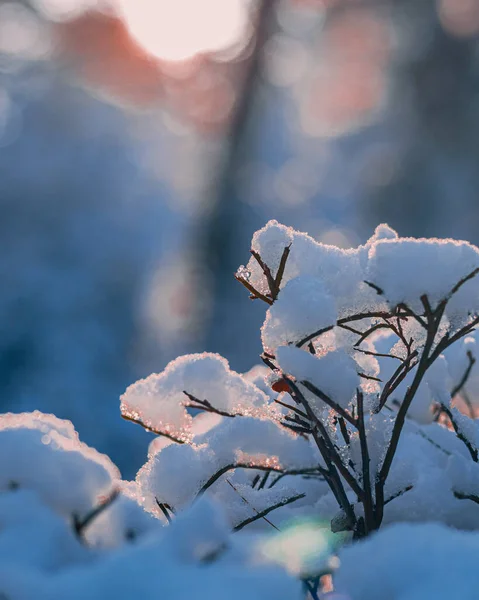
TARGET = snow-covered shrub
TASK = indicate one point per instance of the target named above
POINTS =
(351, 423)
(351, 419)
(70, 528)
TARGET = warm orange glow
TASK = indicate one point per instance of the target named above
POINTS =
(179, 29)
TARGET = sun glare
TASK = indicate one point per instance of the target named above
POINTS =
(176, 30)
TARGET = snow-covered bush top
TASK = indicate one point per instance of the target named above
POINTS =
(363, 351)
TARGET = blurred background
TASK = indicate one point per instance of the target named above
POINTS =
(142, 142)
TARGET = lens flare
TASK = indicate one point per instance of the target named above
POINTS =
(304, 547)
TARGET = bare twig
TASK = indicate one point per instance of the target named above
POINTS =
(365, 463)
(370, 331)
(331, 403)
(396, 379)
(165, 508)
(330, 457)
(262, 514)
(267, 273)
(279, 275)
(205, 405)
(457, 388)
(462, 281)
(425, 361)
(152, 429)
(79, 525)
(472, 497)
(398, 494)
(254, 292)
(344, 431)
(294, 409)
(375, 287)
(341, 322)
(472, 450)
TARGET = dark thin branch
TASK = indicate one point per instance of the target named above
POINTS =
(472, 450)
(365, 463)
(351, 329)
(281, 268)
(318, 473)
(331, 403)
(461, 282)
(152, 429)
(425, 361)
(396, 379)
(230, 467)
(457, 388)
(266, 511)
(410, 313)
(468, 403)
(294, 409)
(214, 478)
(312, 588)
(448, 340)
(164, 509)
(369, 377)
(264, 480)
(254, 292)
(342, 322)
(428, 311)
(375, 287)
(398, 494)
(431, 441)
(327, 449)
(267, 273)
(344, 431)
(205, 405)
(472, 497)
(299, 429)
(79, 525)
(252, 507)
(255, 480)
(378, 354)
(370, 331)
(266, 358)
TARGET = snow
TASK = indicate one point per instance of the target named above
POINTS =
(177, 473)
(41, 559)
(404, 269)
(233, 448)
(33, 535)
(160, 400)
(411, 562)
(42, 453)
(303, 306)
(341, 271)
(335, 373)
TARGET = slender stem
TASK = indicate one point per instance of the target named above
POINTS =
(152, 429)
(457, 388)
(340, 322)
(266, 511)
(79, 525)
(472, 450)
(331, 403)
(164, 510)
(433, 322)
(365, 461)
(331, 458)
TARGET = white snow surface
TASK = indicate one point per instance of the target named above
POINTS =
(411, 562)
